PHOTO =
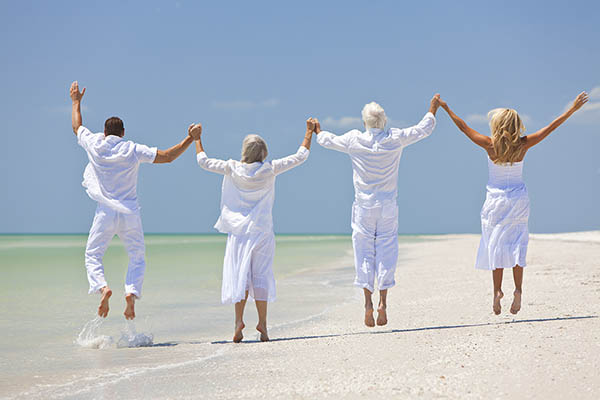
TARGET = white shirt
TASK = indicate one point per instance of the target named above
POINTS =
(111, 175)
(248, 191)
(375, 156)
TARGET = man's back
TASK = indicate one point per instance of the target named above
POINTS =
(111, 175)
(375, 156)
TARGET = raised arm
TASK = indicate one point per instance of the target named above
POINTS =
(171, 154)
(476, 137)
(76, 97)
(535, 138)
(210, 164)
(332, 141)
(286, 163)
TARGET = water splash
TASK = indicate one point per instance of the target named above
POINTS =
(89, 337)
(130, 337)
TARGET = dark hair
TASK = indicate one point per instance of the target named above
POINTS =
(114, 126)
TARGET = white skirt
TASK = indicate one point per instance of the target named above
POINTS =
(504, 229)
(248, 266)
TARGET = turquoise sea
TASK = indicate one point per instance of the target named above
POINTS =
(45, 303)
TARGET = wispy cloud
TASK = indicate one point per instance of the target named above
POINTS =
(245, 104)
(343, 122)
(477, 119)
(595, 93)
(482, 119)
(66, 109)
(590, 112)
(356, 122)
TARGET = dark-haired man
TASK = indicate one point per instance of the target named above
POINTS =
(110, 178)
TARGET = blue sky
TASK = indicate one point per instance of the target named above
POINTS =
(264, 67)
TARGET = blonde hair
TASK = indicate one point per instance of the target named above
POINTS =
(373, 116)
(254, 149)
(507, 128)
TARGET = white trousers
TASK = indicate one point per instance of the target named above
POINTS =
(248, 266)
(375, 242)
(108, 223)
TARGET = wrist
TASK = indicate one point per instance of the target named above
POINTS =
(76, 102)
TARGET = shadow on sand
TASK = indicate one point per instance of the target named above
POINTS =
(426, 328)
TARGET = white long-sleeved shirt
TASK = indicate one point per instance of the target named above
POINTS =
(248, 191)
(110, 178)
(375, 156)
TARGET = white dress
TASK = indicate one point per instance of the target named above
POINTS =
(247, 198)
(504, 218)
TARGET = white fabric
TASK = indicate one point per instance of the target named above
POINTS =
(248, 265)
(375, 156)
(247, 197)
(375, 242)
(110, 177)
(108, 223)
(504, 219)
(248, 191)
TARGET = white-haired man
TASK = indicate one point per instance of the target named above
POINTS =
(375, 156)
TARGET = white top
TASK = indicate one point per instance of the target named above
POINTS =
(375, 156)
(111, 175)
(505, 176)
(248, 191)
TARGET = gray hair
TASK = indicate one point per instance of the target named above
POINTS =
(373, 116)
(254, 149)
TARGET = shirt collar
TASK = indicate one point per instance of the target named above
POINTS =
(113, 139)
(374, 131)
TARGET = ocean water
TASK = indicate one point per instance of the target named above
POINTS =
(53, 346)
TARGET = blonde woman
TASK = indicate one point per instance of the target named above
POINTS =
(505, 213)
(247, 197)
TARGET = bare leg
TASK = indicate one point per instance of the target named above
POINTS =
(381, 313)
(239, 320)
(369, 320)
(518, 277)
(497, 277)
(261, 307)
(103, 307)
(130, 308)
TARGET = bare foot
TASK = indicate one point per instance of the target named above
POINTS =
(369, 320)
(130, 308)
(237, 335)
(264, 337)
(381, 316)
(516, 305)
(103, 307)
(497, 307)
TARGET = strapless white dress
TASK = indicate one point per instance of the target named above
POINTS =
(504, 218)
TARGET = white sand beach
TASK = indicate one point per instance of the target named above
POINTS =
(442, 340)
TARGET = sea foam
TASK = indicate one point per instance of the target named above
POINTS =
(130, 338)
(89, 337)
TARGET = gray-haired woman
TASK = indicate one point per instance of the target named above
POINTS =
(247, 197)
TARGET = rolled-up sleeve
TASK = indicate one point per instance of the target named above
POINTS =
(145, 154)
(284, 164)
(415, 133)
(213, 164)
(334, 142)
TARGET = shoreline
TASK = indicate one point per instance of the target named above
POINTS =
(442, 339)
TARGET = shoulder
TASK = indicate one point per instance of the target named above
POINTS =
(353, 132)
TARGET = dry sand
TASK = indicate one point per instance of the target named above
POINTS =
(442, 341)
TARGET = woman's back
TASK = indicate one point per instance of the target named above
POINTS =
(505, 176)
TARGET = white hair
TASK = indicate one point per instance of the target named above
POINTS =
(254, 149)
(373, 116)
